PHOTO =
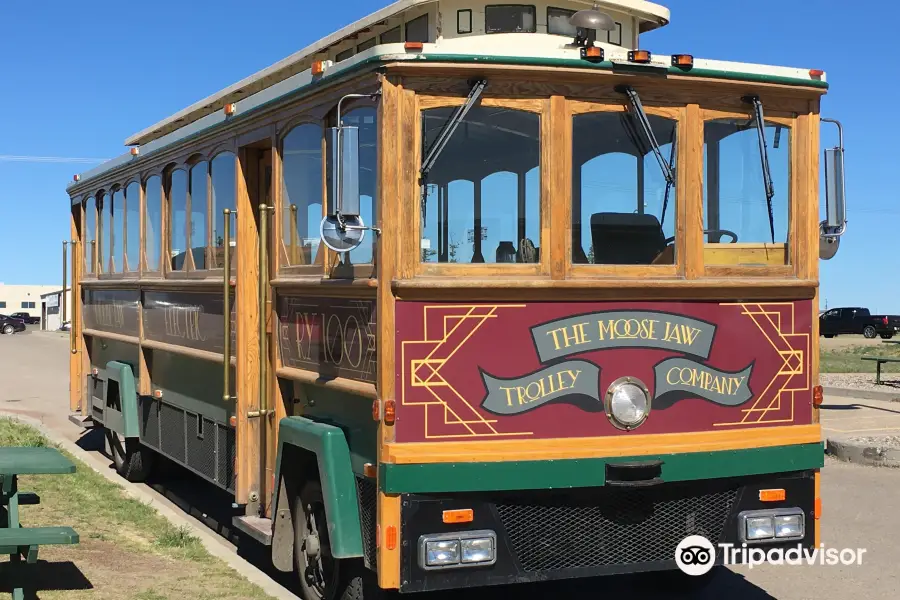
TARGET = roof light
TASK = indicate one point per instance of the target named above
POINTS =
(76, 178)
(318, 67)
(229, 109)
(414, 46)
(639, 56)
(592, 53)
(135, 151)
(816, 73)
(682, 60)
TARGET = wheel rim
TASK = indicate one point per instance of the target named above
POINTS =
(869, 332)
(319, 567)
(8, 329)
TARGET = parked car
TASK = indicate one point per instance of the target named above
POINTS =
(855, 320)
(26, 318)
(9, 325)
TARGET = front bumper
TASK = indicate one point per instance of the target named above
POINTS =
(549, 534)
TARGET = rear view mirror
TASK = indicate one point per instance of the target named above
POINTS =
(343, 229)
(835, 222)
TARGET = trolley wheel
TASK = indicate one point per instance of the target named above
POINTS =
(321, 575)
(869, 332)
(132, 460)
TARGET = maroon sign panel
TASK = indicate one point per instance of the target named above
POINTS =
(543, 369)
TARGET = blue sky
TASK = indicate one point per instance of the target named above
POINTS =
(79, 77)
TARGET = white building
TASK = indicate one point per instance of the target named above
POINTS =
(52, 308)
(23, 298)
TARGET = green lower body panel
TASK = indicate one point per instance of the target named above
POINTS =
(592, 472)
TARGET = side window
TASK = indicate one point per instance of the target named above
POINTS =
(153, 223)
(177, 196)
(133, 226)
(302, 193)
(199, 214)
(366, 119)
(482, 205)
(104, 206)
(623, 209)
(417, 29)
(117, 230)
(743, 225)
(224, 195)
(90, 235)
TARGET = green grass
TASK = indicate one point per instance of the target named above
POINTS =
(120, 535)
(847, 360)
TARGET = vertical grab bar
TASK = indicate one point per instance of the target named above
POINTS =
(76, 305)
(263, 297)
(226, 301)
(62, 306)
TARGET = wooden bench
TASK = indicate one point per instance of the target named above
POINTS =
(880, 360)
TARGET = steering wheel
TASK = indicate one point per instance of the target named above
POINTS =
(731, 234)
(721, 232)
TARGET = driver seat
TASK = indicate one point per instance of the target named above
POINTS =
(626, 238)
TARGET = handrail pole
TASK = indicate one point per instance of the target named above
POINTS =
(226, 301)
(65, 266)
(76, 303)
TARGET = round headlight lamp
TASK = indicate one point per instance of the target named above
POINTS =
(627, 403)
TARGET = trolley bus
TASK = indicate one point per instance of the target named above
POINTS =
(468, 294)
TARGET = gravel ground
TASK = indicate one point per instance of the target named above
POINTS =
(861, 381)
(880, 442)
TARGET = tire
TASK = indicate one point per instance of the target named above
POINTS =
(9, 329)
(869, 332)
(886, 336)
(132, 460)
(323, 577)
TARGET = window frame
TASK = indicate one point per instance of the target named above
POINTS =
(539, 106)
(161, 242)
(459, 15)
(789, 121)
(89, 202)
(588, 271)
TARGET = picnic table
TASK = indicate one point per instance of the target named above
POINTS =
(23, 542)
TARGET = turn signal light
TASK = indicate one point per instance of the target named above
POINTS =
(772, 495)
(462, 515)
(639, 56)
(232, 420)
(390, 412)
(592, 54)
(817, 508)
(818, 395)
(682, 60)
(157, 394)
(390, 537)
(370, 470)
(376, 410)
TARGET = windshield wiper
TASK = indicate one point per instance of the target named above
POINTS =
(444, 137)
(760, 121)
(637, 110)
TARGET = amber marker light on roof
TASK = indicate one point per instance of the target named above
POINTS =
(135, 151)
(318, 67)
(414, 46)
(639, 56)
(77, 178)
(229, 109)
(684, 61)
(592, 54)
(772, 495)
(816, 73)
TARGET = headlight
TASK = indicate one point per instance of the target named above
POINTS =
(780, 524)
(627, 403)
(459, 549)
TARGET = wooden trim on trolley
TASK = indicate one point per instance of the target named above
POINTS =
(600, 447)
(216, 357)
(343, 384)
(116, 337)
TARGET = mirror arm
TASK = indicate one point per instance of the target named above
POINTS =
(638, 109)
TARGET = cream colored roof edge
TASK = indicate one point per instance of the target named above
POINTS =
(653, 14)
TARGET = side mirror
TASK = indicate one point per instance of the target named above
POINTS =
(343, 229)
(835, 223)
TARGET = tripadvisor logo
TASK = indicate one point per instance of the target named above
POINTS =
(695, 555)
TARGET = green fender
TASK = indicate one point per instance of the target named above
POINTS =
(332, 452)
(123, 419)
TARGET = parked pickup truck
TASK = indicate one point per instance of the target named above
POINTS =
(843, 321)
(26, 318)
